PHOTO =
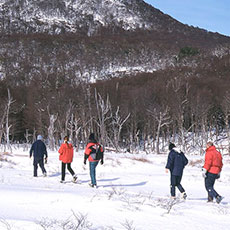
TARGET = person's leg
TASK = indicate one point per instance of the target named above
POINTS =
(215, 194)
(173, 186)
(178, 184)
(41, 164)
(63, 171)
(180, 187)
(72, 172)
(35, 168)
(70, 169)
(209, 183)
(92, 168)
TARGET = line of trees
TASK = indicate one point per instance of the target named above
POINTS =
(185, 105)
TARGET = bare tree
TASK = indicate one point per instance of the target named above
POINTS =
(118, 123)
(163, 119)
(27, 136)
(226, 110)
(74, 130)
(7, 125)
(64, 120)
(51, 131)
(2, 122)
(180, 102)
(103, 115)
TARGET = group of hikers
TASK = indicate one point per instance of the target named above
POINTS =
(94, 152)
(175, 164)
(210, 171)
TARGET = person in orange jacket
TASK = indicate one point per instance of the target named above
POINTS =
(211, 171)
(66, 157)
(94, 152)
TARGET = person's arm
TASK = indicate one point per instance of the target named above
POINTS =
(170, 161)
(207, 164)
(31, 150)
(45, 152)
(185, 159)
(221, 162)
(208, 161)
(60, 149)
(102, 153)
(87, 153)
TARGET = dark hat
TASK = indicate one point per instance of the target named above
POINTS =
(91, 136)
(171, 146)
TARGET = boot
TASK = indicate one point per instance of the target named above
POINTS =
(74, 178)
(184, 195)
(219, 199)
(210, 199)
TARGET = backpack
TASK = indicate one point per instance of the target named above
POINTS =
(97, 152)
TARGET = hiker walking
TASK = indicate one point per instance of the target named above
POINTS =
(94, 152)
(38, 151)
(211, 171)
(66, 157)
(176, 163)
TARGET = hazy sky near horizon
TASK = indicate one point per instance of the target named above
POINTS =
(212, 15)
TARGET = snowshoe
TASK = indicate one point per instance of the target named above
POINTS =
(74, 178)
(219, 199)
(184, 195)
(92, 185)
(210, 199)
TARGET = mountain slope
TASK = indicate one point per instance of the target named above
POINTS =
(94, 39)
(71, 16)
(59, 16)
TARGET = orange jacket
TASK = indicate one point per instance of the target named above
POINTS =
(89, 149)
(213, 160)
(66, 153)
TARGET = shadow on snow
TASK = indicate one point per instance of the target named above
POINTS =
(126, 185)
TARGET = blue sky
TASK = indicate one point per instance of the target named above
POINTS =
(212, 15)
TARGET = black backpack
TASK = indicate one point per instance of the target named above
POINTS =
(97, 152)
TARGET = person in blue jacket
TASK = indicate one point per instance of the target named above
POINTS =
(175, 164)
(38, 150)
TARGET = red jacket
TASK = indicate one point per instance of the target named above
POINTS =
(66, 153)
(89, 149)
(213, 160)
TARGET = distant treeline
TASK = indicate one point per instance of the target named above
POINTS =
(132, 112)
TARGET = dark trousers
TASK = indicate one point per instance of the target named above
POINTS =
(209, 185)
(175, 182)
(39, 162)
(63, 166)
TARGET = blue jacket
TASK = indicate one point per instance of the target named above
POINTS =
(176, 162)
(38, 149)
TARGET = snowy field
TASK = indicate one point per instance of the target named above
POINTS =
(133, 193)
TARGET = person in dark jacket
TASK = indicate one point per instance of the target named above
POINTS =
(90, 154)
(211, 171)
(175, 164)
(38, 151)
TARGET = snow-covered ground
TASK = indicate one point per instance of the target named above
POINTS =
(133, 194)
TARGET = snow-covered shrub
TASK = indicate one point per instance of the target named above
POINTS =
(75, 222)
(4, 224)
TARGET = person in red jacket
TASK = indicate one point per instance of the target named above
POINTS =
(66, 157)
(92, 151)
(211, 171)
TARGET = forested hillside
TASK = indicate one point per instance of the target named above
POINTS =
(123, 69)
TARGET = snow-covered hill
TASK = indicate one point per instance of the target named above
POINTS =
(58, 16)
(133, 193)
(97, 39)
